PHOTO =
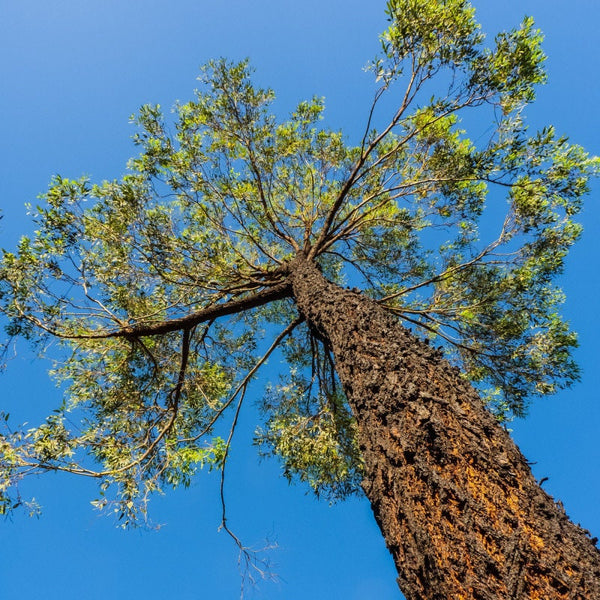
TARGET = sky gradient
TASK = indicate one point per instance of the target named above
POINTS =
(72, 73)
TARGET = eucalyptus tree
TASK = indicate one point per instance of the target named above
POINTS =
(235, 235)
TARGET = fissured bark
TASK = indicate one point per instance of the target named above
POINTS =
(455, 500)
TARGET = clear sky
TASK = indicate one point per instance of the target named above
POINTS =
(72, 71)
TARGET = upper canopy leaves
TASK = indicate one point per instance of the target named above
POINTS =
(131, 275)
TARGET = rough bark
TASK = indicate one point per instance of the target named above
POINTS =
(455, 500)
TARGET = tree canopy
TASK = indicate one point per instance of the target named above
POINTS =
(160, 295)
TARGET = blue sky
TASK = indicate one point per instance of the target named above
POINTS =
(72, 72)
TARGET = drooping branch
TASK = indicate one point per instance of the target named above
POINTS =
(241, 388)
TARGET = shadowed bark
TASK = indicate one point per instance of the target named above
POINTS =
(454, 498)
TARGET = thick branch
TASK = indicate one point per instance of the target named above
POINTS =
(277, 292)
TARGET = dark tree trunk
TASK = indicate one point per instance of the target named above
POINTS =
(455, 500)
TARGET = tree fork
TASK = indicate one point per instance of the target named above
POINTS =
(460, 511)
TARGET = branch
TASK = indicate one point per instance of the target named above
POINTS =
(78, 470)
(365, 153)
(277, 292)
(447, 272)
(246, 380)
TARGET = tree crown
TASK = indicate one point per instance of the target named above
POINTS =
(161, 288)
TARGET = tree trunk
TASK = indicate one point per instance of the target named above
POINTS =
(454, 498)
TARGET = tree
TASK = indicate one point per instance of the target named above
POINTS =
(158, 287)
